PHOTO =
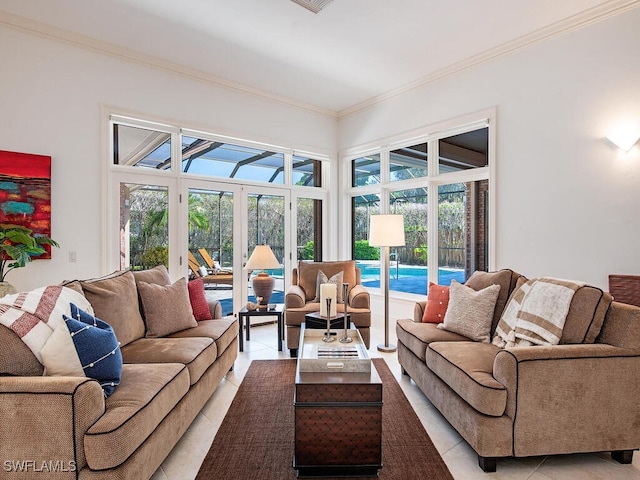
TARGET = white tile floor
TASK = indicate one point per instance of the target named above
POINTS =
(183, 463)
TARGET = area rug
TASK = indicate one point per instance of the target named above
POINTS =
(255, 440)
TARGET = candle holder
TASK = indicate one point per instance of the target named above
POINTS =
(345, 338)
(327, 335)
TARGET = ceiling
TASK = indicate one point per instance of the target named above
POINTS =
(350, 54)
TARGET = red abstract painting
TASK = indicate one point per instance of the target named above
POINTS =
(25, 192)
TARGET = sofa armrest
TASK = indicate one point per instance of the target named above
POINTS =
(44, 419)
(295, 297)
(215, 307)
(571, 398)
(359, 297)
(418, 311)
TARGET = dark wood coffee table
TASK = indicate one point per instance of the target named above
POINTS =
(338, 423)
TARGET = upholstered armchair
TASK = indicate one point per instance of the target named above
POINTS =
(300, 297)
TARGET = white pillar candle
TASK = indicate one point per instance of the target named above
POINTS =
(328, 290)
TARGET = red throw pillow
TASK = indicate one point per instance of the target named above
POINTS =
(437, 302)
(198, 300)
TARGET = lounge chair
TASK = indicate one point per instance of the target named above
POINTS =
(222, 278)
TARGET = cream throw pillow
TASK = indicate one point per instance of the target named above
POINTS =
(470, 312)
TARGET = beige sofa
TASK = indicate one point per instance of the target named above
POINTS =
(578, 396)
(66, 426)
(299, 298)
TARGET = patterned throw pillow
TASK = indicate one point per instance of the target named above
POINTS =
(84, 346)
(469, 312)
(198, 300)
(336, 279)
(437, 302)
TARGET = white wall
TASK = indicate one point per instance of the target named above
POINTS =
(51, 96)
(568, 204)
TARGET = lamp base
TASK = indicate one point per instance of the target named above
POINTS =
(387, 348)
(263, 287)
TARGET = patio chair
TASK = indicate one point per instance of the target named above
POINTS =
(211, 263)
(222, 278)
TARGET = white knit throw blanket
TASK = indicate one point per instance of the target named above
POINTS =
(35, 314)
(536, 313)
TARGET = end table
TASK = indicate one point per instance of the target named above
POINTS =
(244, 317)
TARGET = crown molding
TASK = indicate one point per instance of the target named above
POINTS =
(53, 33)
(562, 27)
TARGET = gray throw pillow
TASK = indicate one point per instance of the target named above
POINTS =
(470, 312)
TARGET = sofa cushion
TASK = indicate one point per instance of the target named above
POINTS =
(222, 330)
(505, 278)
(198, 300)
(586, 315)
(166, 308)
(308, 274)
(196, 353)
(336, 280)
(470, 312)
(417, 336)
(114, 299)
(145, 396)
(467, 367)
(437, 302)
(15, 357)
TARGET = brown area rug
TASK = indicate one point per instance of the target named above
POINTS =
(255, 440)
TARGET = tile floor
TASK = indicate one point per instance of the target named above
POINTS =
(183, 463)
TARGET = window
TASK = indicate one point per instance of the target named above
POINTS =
(445, 205)
(141, 147)
(365, 170)
(217, 159)
(191, 199)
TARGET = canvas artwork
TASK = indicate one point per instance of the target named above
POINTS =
(25, 192)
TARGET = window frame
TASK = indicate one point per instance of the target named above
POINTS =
(431, 135)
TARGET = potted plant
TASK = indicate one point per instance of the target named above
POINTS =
(18, 245)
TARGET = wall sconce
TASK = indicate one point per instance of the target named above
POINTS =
(624, 136)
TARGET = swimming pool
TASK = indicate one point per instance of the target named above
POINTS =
(407, 278)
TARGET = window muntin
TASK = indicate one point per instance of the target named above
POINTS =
(141, 147)
(365, 170)
(408, 162)
(226, 160)
(464, 151)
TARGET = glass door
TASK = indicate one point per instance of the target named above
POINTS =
(267, 213)
(211, 230)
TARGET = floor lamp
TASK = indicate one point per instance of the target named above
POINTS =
(386, 231)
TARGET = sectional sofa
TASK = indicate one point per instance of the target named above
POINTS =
(63, 427)
(578, 396)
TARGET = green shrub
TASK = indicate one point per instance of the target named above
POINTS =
(155, 256)
(364, 251)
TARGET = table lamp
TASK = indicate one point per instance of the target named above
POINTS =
(386, 231)
(262, 258)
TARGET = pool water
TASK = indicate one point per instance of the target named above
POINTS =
(410, 279)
